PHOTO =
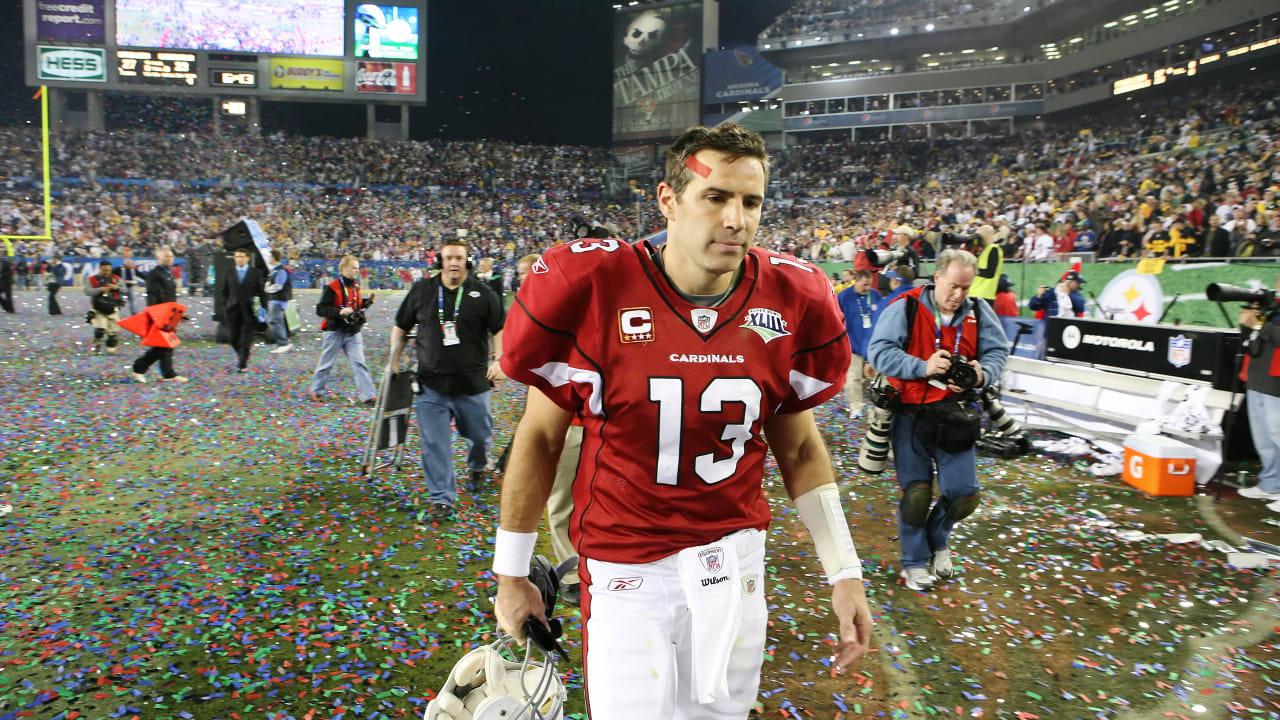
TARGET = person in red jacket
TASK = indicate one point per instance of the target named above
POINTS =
(1006, 303)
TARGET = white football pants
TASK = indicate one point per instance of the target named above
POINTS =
(638, 632)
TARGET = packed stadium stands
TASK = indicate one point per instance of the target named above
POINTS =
(1196, 153)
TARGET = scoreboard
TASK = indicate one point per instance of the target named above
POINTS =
(339, 50)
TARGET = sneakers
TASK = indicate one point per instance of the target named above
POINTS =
(477, 481)
(7, 508)
(176, 379)
(1257, 493)
(282, 349)
(571, 594)
(918, 579)
(440, 512)
(1274, 506)
(940, 565)
(140, 378)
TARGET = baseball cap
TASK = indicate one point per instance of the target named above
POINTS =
(1073, 275)
(904, 230)
(893, 275)
(1004, 284)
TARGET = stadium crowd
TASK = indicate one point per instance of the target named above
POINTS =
(1148, 179)
(808, 17)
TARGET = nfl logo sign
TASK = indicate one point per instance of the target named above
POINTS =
(712, 558)
(1179, 351)
(704, 320)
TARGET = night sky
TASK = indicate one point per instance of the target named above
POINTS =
(522, 70)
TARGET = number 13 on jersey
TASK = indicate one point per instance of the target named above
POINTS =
(668, 394)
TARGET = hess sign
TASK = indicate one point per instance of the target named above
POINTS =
(156, 67)
(233, 78)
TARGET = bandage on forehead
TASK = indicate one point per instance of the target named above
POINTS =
(699, 167)
(823, 515)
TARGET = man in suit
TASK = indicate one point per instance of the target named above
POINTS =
(235, 291)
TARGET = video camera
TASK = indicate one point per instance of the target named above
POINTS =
(878, 257)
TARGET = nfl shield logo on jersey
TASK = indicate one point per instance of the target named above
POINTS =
(712, 558)
(704, 319)
(1179, 351)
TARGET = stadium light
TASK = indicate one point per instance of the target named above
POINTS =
(893, 31)
(929, 27)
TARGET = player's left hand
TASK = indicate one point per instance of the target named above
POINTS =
(495, 372)
(849, 601)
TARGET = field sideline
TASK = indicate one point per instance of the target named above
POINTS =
(210, 551)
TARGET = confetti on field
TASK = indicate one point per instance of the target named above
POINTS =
(211, 551)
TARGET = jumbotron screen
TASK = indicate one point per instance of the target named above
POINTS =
(287, 27)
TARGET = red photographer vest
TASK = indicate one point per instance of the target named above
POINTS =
(340, 292)
(924, 340)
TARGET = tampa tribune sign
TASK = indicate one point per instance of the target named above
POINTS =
(657, 77)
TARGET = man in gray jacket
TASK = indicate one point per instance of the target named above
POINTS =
(936, 345)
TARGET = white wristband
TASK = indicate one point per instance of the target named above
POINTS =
(822, 513)
(513, 552)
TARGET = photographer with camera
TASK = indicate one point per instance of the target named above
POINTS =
(1062, 300)
(1260, 336)
(105, 301)
(937, 347)
(342, 307)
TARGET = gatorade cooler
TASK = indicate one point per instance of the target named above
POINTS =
(1159, 465)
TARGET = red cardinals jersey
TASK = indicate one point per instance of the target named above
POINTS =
(673, 396)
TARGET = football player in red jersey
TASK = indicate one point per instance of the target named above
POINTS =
(682, 361)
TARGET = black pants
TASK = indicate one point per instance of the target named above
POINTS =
(6, 299)
(162, 354)
(54, 308)
(241, 330)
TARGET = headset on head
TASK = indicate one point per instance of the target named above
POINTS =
(439, 264)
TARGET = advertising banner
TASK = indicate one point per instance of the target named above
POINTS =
(306, 74)
(386, 77)
(70, 21)
(657, 76)
(738, 74)
(71, 63)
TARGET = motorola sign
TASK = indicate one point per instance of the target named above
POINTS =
(69, 63)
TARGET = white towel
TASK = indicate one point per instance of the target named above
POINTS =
(711, 577)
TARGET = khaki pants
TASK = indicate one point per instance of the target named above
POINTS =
(854, 382)
(110, 325)
(560, 503)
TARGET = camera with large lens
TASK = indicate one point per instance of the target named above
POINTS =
(881, 257)
(1262, 297)
(961, 374)
(958, 241)
(1007, 438)
(885, 400)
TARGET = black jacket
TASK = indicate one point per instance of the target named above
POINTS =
(1263, 349)
(237, 297)
(160, 286)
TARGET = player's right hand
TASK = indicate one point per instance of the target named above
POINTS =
(938, 363)
(518, 600)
